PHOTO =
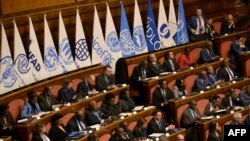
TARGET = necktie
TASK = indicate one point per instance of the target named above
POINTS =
(163, 93)
(231, 76)
(194, 114)
(48, 100)
(97, 115)
(143, 73)
(156, 66)
(159, 124)
(230, 101)
(208, 52)
(172, 65)
(106, 79)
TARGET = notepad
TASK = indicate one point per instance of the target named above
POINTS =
(138, 108)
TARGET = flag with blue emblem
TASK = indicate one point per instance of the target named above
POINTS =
(34, 56)
(51, 59)
(163, 27)
(182, 34)
(65, 55)
(113, 49)
(138, 32)
(82, 56)
(21, 62)
(127, 44)
(8, 75)
(172, 22)
(98, 42)
(152, 38)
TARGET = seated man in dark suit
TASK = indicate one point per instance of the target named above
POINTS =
(158, 124)
(189, 119)
(202, 82)
(207, 53)
(77, 122)
(46, 100)
(154, 65)
(105, 80)
(225, 72)
(170, 63)
(227, 26)
(245, 95)
(212, 76)
(94, 115)
(237, 119)
(66, 93)
(86, 87)
(231, 99)
(109, 108)
(247, 119)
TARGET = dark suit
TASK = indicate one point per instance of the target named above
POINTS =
(83, 89)
(66, 94)
(56, 134)
(159, 97)
(10, 130)
(46, 101)
(110, 110)
(140, 133)
(214, 137)
(137, 72)
(208, 110)
(244, 98)
(154, 127)
(126, 105)
(207, 55)
(92, 119)
(168, 66)
(235, 51)
(102, 83)
(37, 138)
(225, 28)
(188, 121)
(226, 102)
(235, 123)
(155, 69)
(201, 84)
(193, 23)
(223, 74)
(72, 125)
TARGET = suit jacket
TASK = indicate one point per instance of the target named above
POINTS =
(28, 110)
(222, 74)
(83, 89)
(193, 23)
(168, 67)
(212, 78)
(66, 94)
(210, 31)
(247, 120)
(47, 101)
(92, 119)
(72, 125)
(235, 123)
(101, 83)
(208, 108)
(140, 133)
(201, 84)
(214, 137)
(235, 51)
(109, 110)
(126, 105)
(137, 72)
(206, 55)
(244, 98)
(158, 97)
(226, 102)
(56, 134)
(153, 126)
(156, 69)
(225, 29)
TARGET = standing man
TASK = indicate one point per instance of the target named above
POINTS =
(105, 80)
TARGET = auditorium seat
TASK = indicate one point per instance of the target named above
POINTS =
(171, 85)
(148, 118)
(75, 82)
(132, 125)
(228, 122)
(162, 60)
(151, 93)
(201, 104)
(225, 49)
(48, 126)
(130, 69)
(221, 95)
(56, 89)
(237, 91)
(179, 112)
(15, 108)
(99, 103)
(217, 26)
(189, 82)
(195, 55)
(105, 137)
(247, 66)
(177, 56)
(66, 118)
(116, 100)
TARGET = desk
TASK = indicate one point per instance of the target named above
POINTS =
(174, 105)
(243, 57)
(6, 138)
(26, 129)
(203, 126)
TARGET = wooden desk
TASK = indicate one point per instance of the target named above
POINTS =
(203, 126)
(174, 105)
(6, 138)
(243, 57)
(26, 129)
(153, 82)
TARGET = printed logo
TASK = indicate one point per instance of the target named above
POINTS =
(128, 47)
(82, 52)
(51, 59)
(164, 31)
(22, 63)
(65, 52)
(139, 39)
(113, 42)
(9, 76)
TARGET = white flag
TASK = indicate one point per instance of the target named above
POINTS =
(98, 43)
(82, 56)
(65, 55)
(172, 22)
(8, 75)
(113, 49)
(163, 27)
(138, 32)
(51, 59)
(34, 56)
(22, 65)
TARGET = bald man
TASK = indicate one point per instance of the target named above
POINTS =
(86, 87)
(180, 137)
(228, 26)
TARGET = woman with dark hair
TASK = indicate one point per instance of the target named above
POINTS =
(39, 133)
(179, 89)
(58, 131)
(67, 93)
(126, 103)
(214, 132)
(140, 130)
(31, 107)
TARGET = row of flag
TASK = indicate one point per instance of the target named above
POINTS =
(26, 69)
